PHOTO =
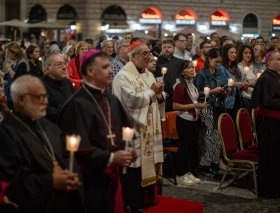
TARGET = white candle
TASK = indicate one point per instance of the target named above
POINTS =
(246, 70)
(156, 58)
(258, 74)
(262, 71)
(194, 63)
(72, 145)
(163, 71)
(206, 93)
(230, 82)
(128, 134)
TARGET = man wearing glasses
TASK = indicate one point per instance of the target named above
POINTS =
(204, 46)
(31, 155)
(59, 87)
(121, 49)
(139, 93)
(180, 41)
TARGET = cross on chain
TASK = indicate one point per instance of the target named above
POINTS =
(111, 136)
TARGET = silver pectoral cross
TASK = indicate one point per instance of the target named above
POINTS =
(111, 136)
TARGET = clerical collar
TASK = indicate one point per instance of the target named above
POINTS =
(94, 87)
(140, 70)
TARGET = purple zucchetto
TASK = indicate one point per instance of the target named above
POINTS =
(88, 54)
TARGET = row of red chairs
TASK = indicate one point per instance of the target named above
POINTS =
(246, 158)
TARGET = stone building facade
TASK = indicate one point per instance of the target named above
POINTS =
(89, 14)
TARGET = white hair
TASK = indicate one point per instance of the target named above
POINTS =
(18, 88)
(105, 43)
(135, 50)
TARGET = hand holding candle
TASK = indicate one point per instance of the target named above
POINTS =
(230, 82)
(127, 136)
(72, 145)
(246, 70)
(206, 93)
(258, 75)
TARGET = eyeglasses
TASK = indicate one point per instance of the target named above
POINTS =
(40, 98)
(125, 46)
(207, 47)
(217, 62)
(144, 54)
(60, 64)
(183, 41)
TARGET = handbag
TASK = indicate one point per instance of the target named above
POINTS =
(218, 105)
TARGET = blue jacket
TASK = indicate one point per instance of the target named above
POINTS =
(225, 74)
(204, 78)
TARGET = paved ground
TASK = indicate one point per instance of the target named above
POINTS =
(237, 198)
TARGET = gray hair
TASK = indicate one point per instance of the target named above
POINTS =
(119, 42)
(22, 85)
(48, 57)
(105, 43)
(137, 49)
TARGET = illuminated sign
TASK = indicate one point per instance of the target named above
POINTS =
(151, 15)
(185, 17)
(219, 18)
(276, 23)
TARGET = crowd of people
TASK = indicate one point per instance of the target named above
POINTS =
(95, 92)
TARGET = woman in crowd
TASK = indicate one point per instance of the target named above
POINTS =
(68, 52)
(259, 58)
(210, 143)
(185, 100)
(74, 64)
(246, 58)
(33, 55)
(16, 68)
(228, 69)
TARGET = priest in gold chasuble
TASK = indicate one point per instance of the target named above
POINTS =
(142, 97)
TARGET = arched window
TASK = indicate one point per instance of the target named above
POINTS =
(250, 21)
(37, 14)
(66, 12)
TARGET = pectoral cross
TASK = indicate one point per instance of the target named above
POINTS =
(111, 136)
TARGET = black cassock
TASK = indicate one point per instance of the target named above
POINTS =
(81, 115)
(26, 165)
(58, 92)
(266, 95)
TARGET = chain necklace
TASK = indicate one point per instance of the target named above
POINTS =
(108, 123)
(273, 74)
(47, 144)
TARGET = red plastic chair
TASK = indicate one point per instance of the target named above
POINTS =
(244, 128)
(236, 160)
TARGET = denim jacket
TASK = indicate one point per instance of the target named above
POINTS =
(204, 78)
(225, 74)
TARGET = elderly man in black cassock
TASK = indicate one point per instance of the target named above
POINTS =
(266, 95)
(31, 153)
(58, 86)
(98, 117)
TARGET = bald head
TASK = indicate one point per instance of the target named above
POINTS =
(29, 96)
(273, 61)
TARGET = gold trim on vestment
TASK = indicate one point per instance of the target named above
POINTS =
(148, 181)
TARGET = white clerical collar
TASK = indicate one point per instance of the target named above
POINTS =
(93, 86)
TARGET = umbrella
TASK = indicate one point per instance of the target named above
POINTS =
(15, 23)
(52, 25)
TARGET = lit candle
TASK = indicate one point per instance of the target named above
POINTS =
(194, 63)
(156, 58)
(163, 71)
(127, 136)
(246, 70)
(72, 145)
(258, 74)
(206, 93)
(230, 82)
(262, 71)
